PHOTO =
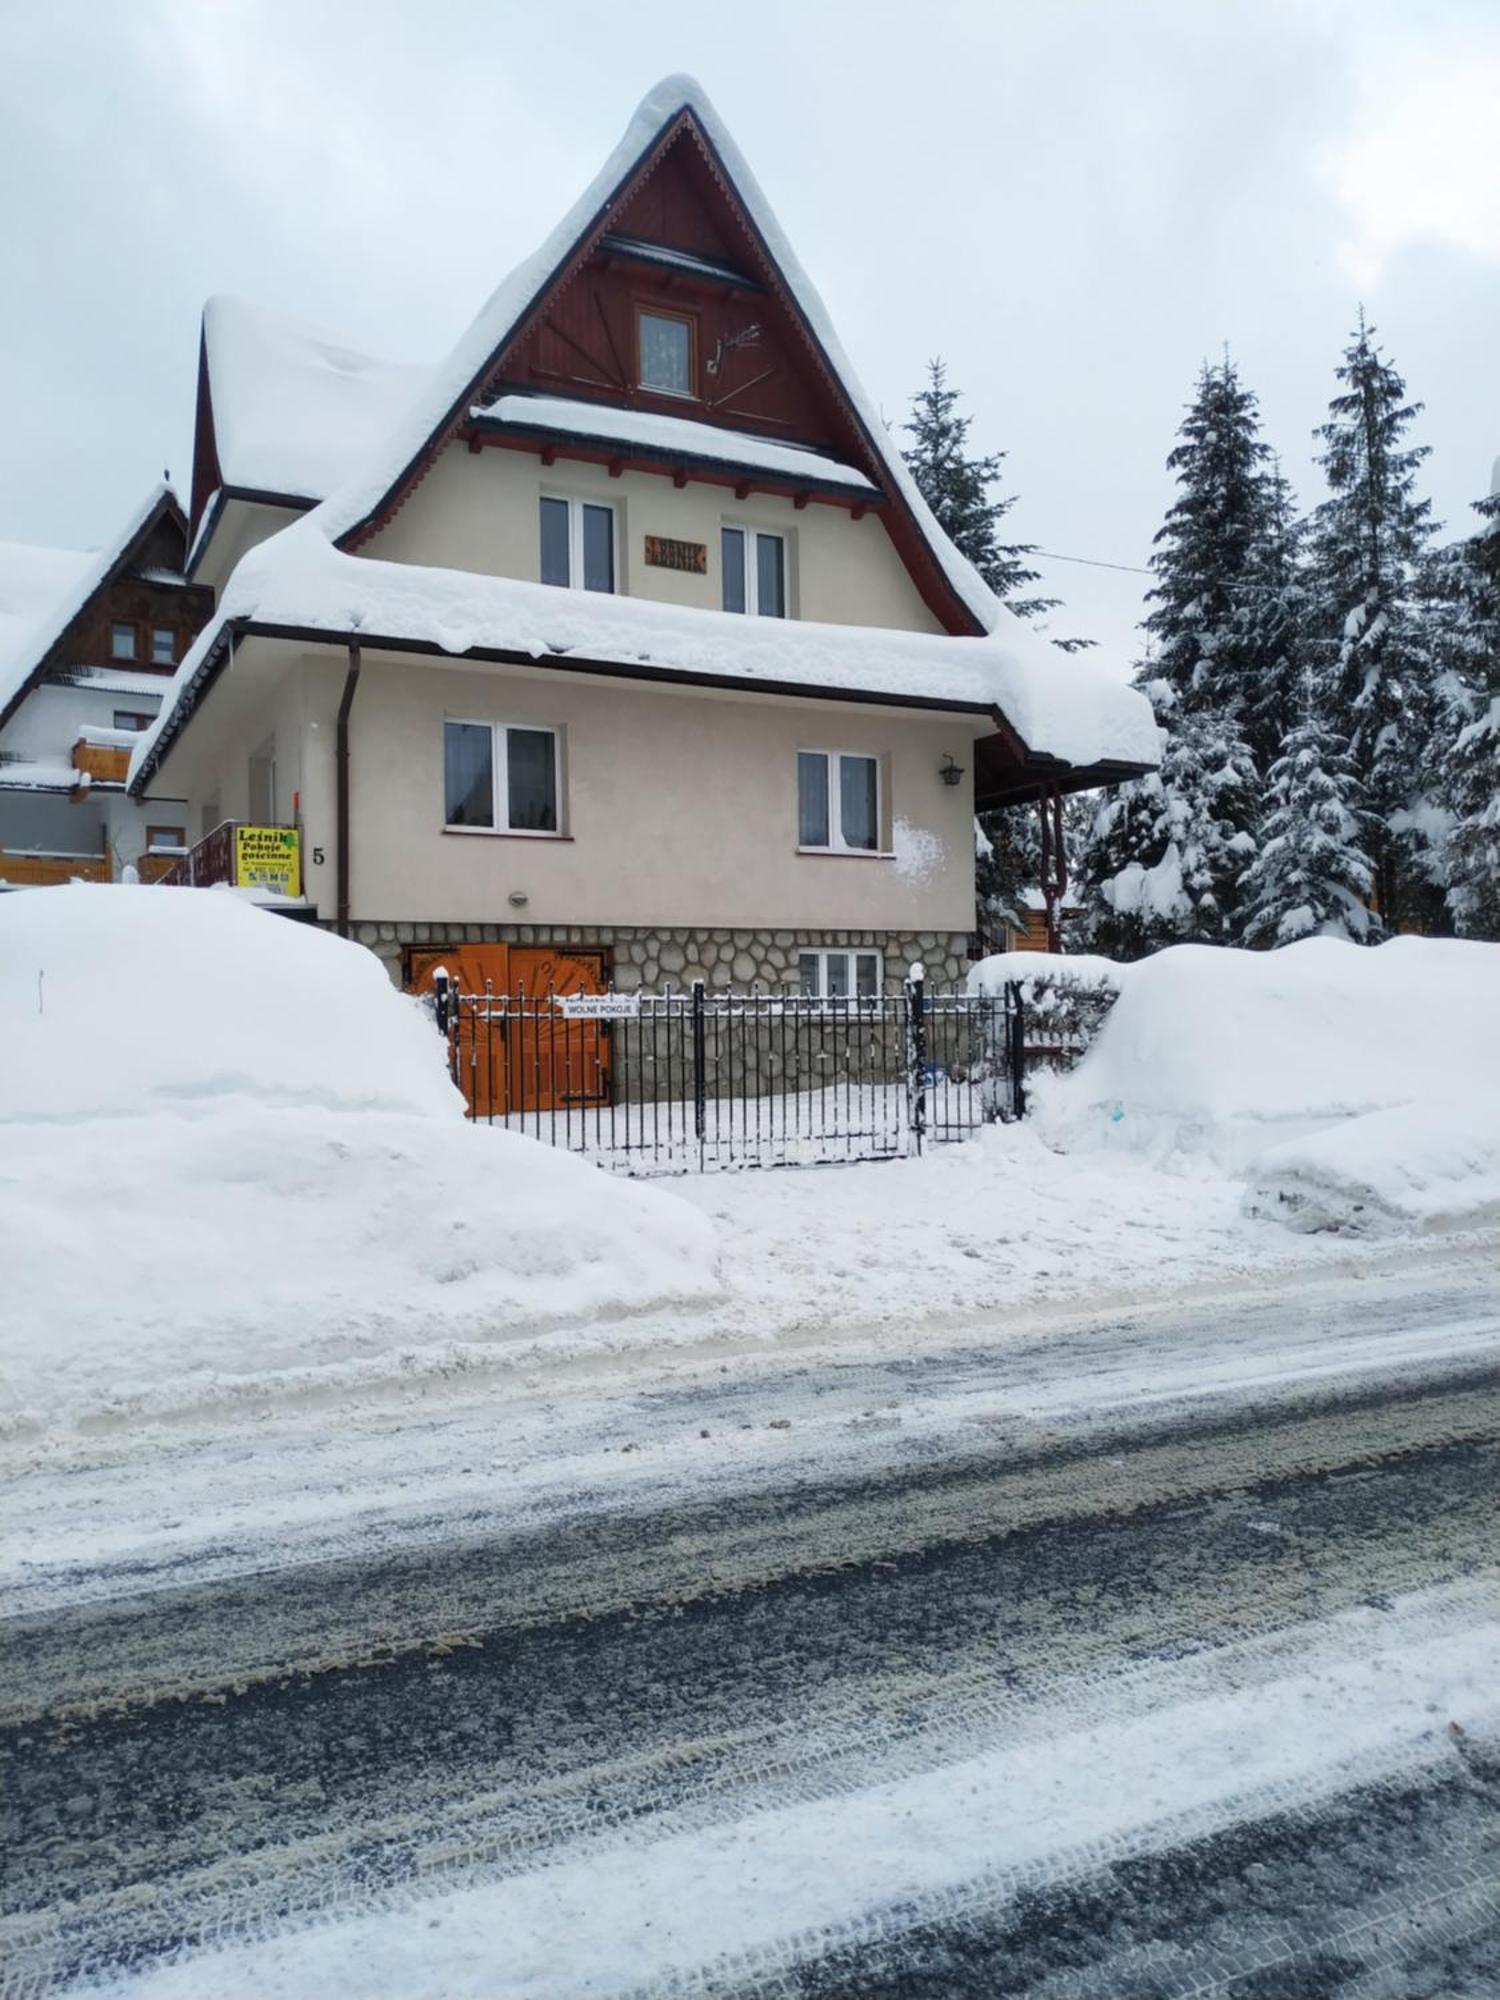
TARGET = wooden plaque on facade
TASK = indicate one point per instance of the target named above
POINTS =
(663, 552)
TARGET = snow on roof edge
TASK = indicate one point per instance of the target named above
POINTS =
(451, 383)
(28, 651)
(1059, 705)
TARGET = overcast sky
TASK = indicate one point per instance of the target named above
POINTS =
(1074, 201)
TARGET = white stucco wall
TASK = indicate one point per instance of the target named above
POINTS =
(681, 807)
(480, 511)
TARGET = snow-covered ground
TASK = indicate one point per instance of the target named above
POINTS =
(233, 1171)
(231, 1157)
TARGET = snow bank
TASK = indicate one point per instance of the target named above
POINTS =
(1359, 1082)
(1416, 1165)
(1077, 971)
(231, 1161)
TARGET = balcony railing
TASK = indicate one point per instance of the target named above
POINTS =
(245, 857)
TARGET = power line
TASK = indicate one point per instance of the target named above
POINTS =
(1090, 562)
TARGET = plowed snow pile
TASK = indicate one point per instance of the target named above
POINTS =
(231, 1160)
(1348, 1086)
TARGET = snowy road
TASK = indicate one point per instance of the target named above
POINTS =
(1151, 1655)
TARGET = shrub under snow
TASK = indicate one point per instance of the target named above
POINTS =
(230, 1154)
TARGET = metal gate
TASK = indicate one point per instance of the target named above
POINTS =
(655, 1083)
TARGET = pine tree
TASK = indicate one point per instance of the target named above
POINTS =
(1166, 854)
(1275, 615)
(1468, 582)
(1369, 538)
(960, 491)
(1311, 876)
(1207, 548)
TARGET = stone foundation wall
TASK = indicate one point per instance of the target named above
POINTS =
(657, 960)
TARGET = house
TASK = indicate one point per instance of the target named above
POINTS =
(89, 643)
(619, 646)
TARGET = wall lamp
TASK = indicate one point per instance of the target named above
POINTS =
(948, 771)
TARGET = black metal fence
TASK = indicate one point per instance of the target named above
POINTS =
(688, 1082)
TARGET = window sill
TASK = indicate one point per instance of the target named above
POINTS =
(851, 853)
(505, 833)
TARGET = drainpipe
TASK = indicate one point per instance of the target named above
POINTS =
(341, 805)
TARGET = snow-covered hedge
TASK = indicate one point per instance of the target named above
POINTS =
(231, 1160)
(1066, 999)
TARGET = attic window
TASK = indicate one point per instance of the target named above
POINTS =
(122, 642)
(163, 647)
(666, 348)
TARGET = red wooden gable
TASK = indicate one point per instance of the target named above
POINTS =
(579, 338)
(584, 344)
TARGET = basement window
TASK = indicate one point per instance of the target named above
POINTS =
(839, 975)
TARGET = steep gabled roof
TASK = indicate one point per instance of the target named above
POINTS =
(24, 652)
(290, 407)
(676, 108)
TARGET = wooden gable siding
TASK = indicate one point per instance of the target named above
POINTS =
(207, 478)
(131, 600)
(585, 344)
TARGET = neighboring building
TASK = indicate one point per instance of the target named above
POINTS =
(88, 647)
(620, 645)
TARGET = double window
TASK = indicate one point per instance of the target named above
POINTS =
(838, 801)
(501, 778)
(754, 572)
(578, 544)
(132, 718)
(839, 975)
(666, 343)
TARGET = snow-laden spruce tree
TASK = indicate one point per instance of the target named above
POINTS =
(1465, 583)
(1311, 875)
(1165, 855)
(1275, 616)
(963, 492)
(1369, 538)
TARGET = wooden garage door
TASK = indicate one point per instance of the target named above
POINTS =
(522, 1055)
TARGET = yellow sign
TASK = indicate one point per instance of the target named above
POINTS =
(268, 857)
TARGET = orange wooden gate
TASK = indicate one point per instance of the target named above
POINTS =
(522, 1054)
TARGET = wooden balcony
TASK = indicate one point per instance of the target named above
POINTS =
(105, 763)
(45, 871)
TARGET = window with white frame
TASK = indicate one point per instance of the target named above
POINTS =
(578, 543)
(754, 566)
(666, 342)
(840, 975)
(838, 801)
(123, 640)
(163, 647)
(501, 778)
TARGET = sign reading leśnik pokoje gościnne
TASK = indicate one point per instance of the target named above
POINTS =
(268, 857)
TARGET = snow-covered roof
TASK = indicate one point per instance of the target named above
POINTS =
(32, 580)
(449, 389)
(563, 416)
(49, 594)
(293, 406)
(1060, 705)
